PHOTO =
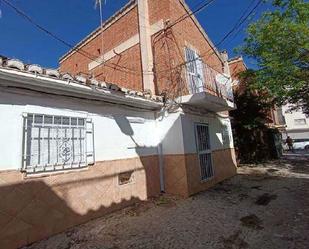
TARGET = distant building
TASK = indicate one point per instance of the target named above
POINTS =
(296, 123)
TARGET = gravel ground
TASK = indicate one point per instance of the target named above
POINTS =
(264, 206)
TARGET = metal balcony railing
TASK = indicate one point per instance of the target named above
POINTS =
(202, 78)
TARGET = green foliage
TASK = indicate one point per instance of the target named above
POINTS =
(252, 136)
(279, 41)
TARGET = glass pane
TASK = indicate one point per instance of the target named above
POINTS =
(57, 120)
(38, 119)
(65, 121)
(48, 119)
(81, 121)
(73, 121)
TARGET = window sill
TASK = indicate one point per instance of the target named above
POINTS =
(53, 173)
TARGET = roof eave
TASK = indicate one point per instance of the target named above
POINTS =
(60, 87)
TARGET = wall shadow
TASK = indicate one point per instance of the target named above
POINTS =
(33, 209)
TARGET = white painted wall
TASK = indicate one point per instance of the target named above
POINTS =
(215, 124)
(115, 128)
(119, 132)
(169, 133)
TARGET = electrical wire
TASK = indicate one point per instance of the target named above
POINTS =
(182, 18)
(80, 51)
(238, 24)
(201, 7)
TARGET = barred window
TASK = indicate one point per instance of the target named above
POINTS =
(204, 151)
(53, 143)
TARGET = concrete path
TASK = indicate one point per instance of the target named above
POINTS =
(264, 206)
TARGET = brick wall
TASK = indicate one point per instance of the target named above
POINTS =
(125, 69)
(237, 67)
(168, 50)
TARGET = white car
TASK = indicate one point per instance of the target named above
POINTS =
(301, 144)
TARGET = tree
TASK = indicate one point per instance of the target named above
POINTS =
(279, 41)
(253, 138)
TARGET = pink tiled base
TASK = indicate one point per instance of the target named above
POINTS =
(182, 172)
(35, 208)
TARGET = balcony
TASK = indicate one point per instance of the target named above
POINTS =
(208, 88)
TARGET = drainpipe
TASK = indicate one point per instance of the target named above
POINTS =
(145, 45)
(161, 168)
(225, 58)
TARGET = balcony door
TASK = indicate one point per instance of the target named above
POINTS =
(195, 73)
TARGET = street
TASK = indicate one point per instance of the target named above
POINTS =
(264, 206)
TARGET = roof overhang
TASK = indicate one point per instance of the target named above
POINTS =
(22, 80)
(207, 101)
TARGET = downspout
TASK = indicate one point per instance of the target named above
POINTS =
(226, 67)
(161, 167)
(145, 46)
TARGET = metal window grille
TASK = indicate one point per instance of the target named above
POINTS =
(54, 143)
(204, 151)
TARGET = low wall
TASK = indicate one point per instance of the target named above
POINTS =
(34, 208)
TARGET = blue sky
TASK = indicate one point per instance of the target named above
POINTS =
(72, 20)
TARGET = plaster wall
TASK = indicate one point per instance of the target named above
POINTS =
(119, 132)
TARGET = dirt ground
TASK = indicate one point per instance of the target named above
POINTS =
(264, 206)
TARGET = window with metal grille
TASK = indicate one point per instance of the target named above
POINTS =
(204, 150)
(53, 143)
(194, 71)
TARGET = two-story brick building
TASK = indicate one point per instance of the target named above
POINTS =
(159, 47)
(138, 107)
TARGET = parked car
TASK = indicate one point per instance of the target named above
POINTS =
(301, 144)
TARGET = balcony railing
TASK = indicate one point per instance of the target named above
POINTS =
(202, 78)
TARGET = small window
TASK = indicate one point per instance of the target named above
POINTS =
(204, 151)
(56, 143)
(99, 51)
(125, 177)
(300, 121)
